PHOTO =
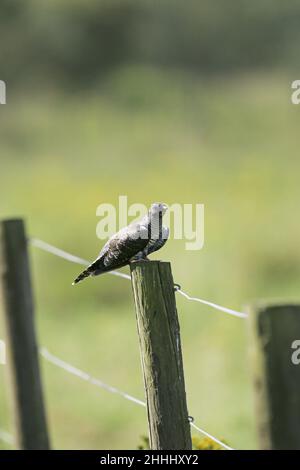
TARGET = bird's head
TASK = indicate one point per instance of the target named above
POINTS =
(158, 208)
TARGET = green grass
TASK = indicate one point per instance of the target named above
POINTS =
(231, 144)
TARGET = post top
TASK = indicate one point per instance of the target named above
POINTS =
(154, 261)
(273, 305)
(12, 221)
(148, 265)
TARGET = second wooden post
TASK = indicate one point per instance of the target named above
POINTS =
(275, 354)
(161, 357)
(23, 364)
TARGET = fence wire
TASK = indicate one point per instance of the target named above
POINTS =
(99, 383)
(49, 357)
(6, 437)
(75, 259)
(68, 256)
(87, 377)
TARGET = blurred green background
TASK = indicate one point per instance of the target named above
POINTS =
(183, 102)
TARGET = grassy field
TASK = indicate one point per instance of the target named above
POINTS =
(231, 144)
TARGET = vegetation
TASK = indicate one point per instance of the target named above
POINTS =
(77, 45)
(228, 143)
(199, 443)
(173, 101)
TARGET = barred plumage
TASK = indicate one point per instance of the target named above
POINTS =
(134, 242)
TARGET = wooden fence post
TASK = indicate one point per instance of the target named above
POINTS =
(161, 357)
(22, 357)
(274, 328)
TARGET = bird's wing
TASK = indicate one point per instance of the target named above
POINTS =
(120, 248)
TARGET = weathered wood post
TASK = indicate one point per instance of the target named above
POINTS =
(161, 357)
(274, 329)
(22, 357)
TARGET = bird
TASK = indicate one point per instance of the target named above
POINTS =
(132, 243)
(153, 245)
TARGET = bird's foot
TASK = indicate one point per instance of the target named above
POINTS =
(140, 258)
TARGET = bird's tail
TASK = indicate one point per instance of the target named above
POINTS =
(86, 273)
(93, 269)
